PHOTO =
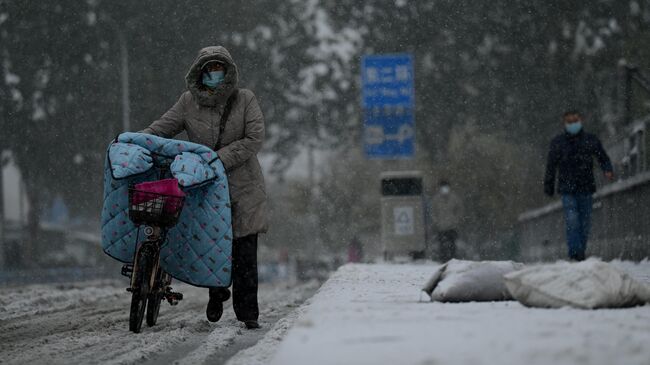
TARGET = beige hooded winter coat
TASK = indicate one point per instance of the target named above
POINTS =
(198, 112)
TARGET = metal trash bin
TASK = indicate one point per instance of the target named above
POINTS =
(402, 214)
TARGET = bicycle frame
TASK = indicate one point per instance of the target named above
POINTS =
(149, 284)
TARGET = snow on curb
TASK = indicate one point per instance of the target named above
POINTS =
(370, 314)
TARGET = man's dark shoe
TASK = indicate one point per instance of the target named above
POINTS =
(214, 310)
(252, 324)
(577, 257)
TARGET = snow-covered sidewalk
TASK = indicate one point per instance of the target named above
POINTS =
(374, 314)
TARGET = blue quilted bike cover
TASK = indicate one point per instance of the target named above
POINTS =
(198, 250)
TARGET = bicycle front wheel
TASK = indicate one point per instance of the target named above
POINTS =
(154, 299)
(142, 278)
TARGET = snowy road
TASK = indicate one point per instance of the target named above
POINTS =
(87, 323)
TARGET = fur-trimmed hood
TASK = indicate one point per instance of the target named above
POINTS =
(201, 94)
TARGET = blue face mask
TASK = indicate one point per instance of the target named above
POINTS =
(212, 79)
(573, 128)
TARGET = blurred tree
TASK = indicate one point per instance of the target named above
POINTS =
(348, 201)
(504, 70)
(52, 72)
(494, 179)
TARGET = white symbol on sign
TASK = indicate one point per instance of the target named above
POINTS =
(376, 135)
(403, 221)
(402, 73)
(372, 75)
(387, 74)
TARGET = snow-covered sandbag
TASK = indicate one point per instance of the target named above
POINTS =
(470, 281)
(589, 284)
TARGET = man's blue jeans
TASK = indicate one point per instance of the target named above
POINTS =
(577, 215)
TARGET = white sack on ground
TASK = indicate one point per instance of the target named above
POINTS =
(470, 281)
(589, 284)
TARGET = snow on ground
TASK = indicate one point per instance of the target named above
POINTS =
(375, 314)
(87, 323)
(43, 299)
(263, 351)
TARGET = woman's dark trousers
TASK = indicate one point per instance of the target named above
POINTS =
(244, 279)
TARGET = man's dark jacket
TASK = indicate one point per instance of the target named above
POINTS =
(572, 157)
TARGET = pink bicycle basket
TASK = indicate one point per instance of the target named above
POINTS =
(158, 201)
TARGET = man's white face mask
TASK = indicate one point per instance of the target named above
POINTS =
(444, 189)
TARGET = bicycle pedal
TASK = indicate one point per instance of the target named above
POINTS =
(173, 297)
(173, 300)
(127, 270)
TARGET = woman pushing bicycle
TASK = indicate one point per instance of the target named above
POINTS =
(216, 114)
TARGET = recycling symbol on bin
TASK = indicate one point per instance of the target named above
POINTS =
(403, 218)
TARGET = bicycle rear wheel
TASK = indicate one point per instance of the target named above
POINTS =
(142, 278)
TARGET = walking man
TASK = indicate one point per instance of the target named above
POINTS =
(571, 158)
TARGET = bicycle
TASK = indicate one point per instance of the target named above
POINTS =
(158, 212)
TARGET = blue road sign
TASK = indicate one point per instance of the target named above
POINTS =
(389, 133)
(387, 80)
(387, 100)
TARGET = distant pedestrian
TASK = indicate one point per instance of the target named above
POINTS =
(355, 250)
(571, 158)
(446, 214)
